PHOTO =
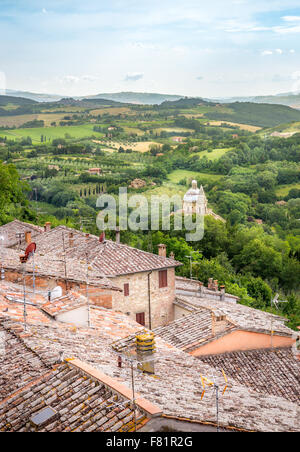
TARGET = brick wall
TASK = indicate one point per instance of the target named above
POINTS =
(162, 310)
(97, 295)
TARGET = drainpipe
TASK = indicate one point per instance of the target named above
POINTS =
(149, 300)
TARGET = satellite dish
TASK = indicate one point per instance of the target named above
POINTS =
(56, 293)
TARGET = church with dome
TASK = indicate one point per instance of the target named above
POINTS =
(195, 202)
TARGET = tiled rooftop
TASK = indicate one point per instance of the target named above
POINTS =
(54, 266)
(12, 304)
(275, 371)
(8, 232)
(191, 331)
(66, 303)
(190, 287)
(176, 387)
(240, 315)
(80, 403)
(18, 364)
(107, 258)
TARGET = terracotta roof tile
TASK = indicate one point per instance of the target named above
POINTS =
(274, 371)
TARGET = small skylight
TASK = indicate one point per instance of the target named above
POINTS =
(43, 417)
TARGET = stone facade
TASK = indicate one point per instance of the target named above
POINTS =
(161, 299)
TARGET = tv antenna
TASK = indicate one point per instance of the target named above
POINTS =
(275, 301)
(30, 250)
(207, 382)
(191, 257)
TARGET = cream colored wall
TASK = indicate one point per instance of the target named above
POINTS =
(242, 340)
(162, 311)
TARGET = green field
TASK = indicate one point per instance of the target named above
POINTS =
(176, 176)
(283, 190)
(214, 155)
(51, 133)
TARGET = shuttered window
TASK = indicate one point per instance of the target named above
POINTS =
(126, 290)
(140, 318)
(163, 278)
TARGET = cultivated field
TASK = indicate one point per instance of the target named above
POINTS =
(177, 175)
(51, 133)
(247, 127)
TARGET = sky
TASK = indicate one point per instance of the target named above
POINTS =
(215, 48)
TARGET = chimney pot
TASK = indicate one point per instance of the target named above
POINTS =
(71, 239)
(162, 250)
(215, 285)
(28, 237)
(47, 226)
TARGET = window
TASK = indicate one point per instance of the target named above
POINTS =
(163, 278)
(126, 289)
(140, 318)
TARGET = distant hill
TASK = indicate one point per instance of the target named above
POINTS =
(34, 96)
(6, 100)
(250, 113)
(257, 114)
(288, 99)
(136, 98)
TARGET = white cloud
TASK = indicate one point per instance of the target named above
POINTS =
(267, 52)
(279, 51)
(133, 76)
(292, 51)
(291, 18)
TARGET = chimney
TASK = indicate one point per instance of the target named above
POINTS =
(201, 289)
(215, 285)
(172, 255)
(71, 239)
(213, 323)
(47, 227)
(118, 235)
(87, 237)
(162, 250)
(210, 283)
(28, 237)
(102, 237)
(145, 348)
(222, 296)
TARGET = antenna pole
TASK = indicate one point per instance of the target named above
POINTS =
(33, 274)
(133, 394)
(87, 289)
(24, 292)
(64, 256)
(217, 406)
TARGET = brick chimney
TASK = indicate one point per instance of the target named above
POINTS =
(118, 235)
(87, 237)
(28, 237)
(71, 239)
(215, 285)
(162, 250)
(47, 226)
(210, 283)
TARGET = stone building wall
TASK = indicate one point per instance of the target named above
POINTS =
(162, 310)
